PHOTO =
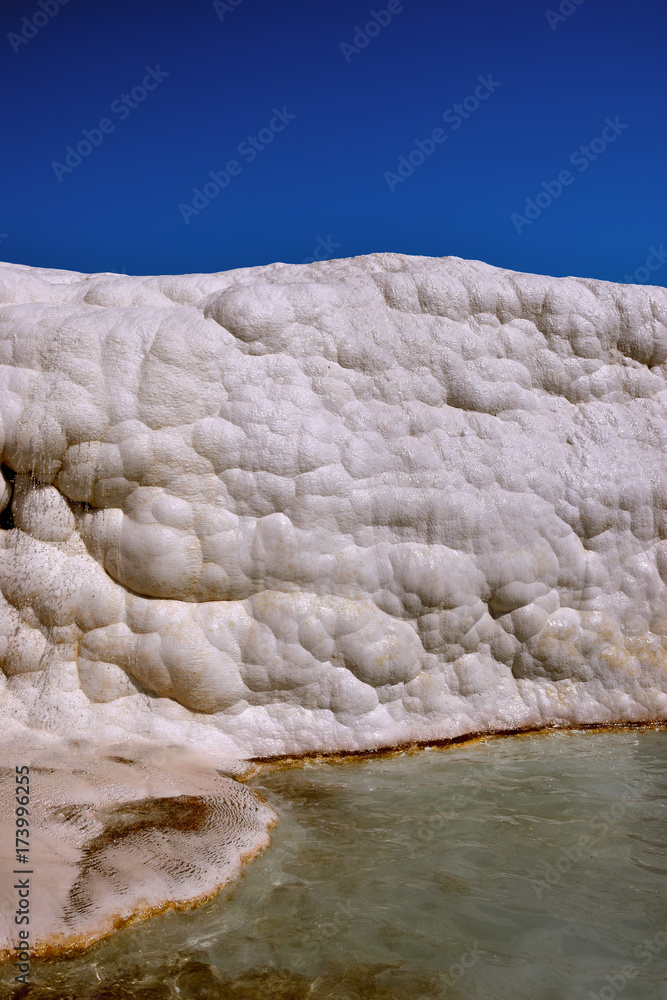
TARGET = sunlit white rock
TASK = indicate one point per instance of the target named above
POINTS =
(333, 506)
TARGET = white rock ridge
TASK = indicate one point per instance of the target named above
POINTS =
(328, 507)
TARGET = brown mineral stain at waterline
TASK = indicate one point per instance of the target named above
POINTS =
(268, 764)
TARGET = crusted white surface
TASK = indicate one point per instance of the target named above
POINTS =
(114, 832)
(332, 506)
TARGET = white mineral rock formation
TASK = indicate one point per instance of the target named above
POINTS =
(329, 507)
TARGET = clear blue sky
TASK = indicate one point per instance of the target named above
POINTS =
(203, 87)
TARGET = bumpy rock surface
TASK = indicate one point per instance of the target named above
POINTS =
(334, 506)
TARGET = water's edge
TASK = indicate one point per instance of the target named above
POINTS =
(59, 948)
(512, 869)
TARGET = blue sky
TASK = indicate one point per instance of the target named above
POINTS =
(205, 136)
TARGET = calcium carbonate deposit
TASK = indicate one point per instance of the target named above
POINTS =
(292, 509)
(337, 506)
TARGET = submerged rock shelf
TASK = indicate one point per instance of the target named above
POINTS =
(116, 834)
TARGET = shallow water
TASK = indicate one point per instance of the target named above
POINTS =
(524, 867)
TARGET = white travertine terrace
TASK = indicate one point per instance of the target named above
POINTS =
(330, 507)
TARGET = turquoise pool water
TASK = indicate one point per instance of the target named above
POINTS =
(524, 867)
